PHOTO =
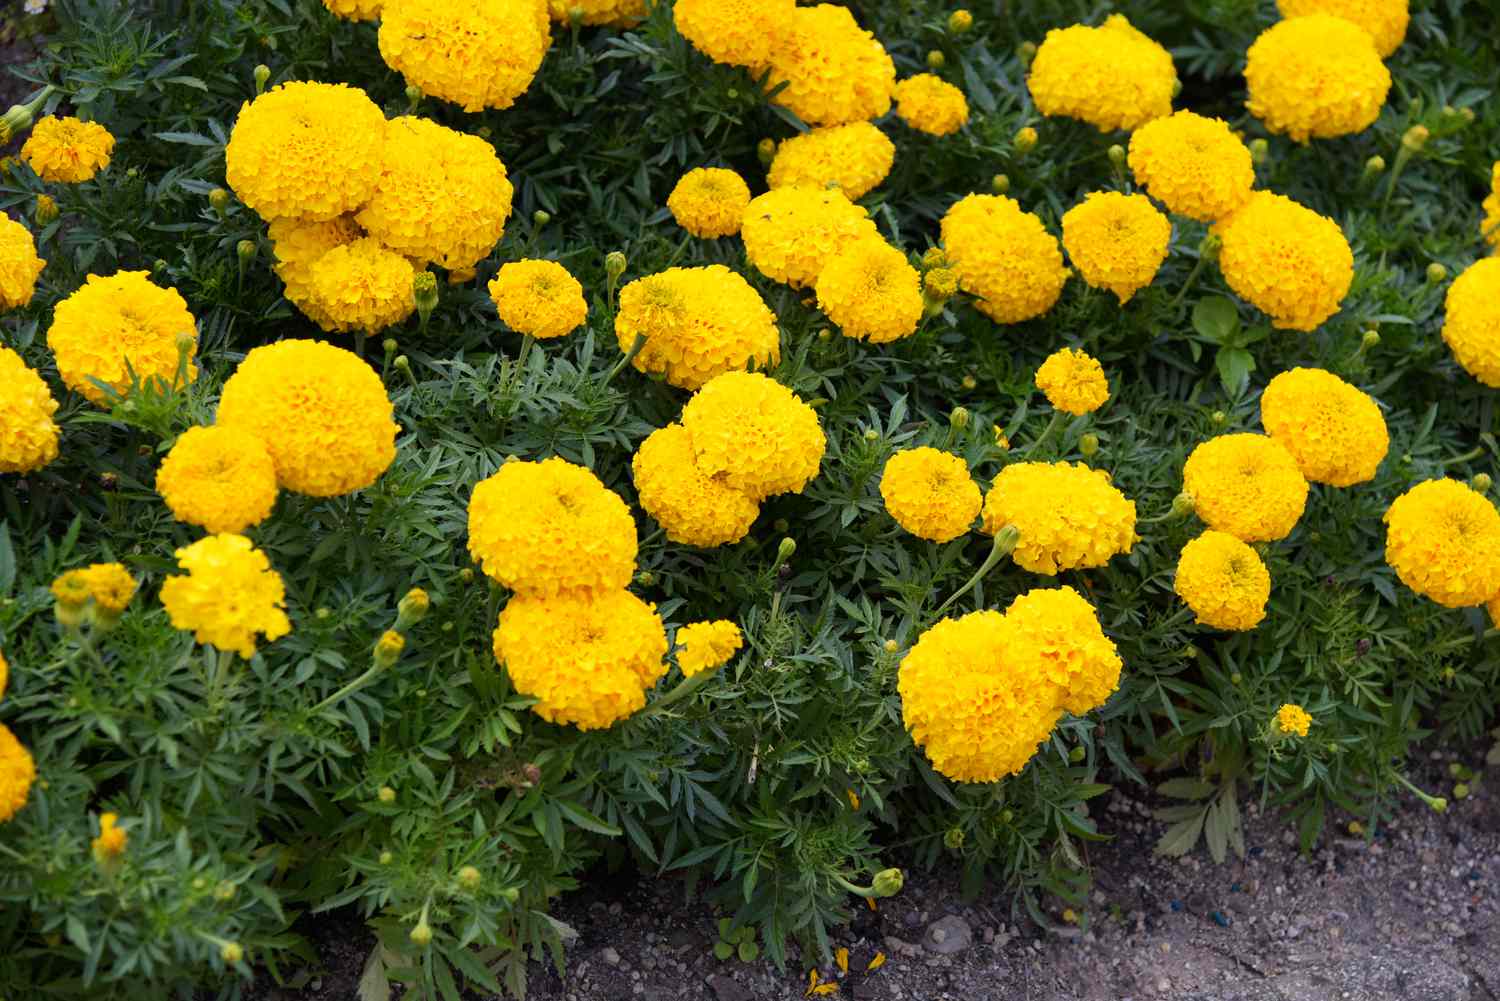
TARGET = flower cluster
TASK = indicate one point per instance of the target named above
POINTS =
(1334, 431)
(703, 646)
(1193, 165)
(930, 493)
(361, 285)
(709, 202)
(297, 246)
(1384, 20)
(1004, 257)
(1247, 485)
(1286, 260)
(872, 292)
(1112, 76)
(1073, 381)
(790, 234)
(1068, 515)
(830, 71)
(1316, 76)
(28, 434)
(219, 477)
(229, 596)
(67, 150)
(1443, 540)
(121, 325)
(697, 323)
(1471, 321)
(931, 104)
(539, 299)
(693, 508)
(1117, 242)
(98, 593)
(853, 158)
(20, 266)
(1223, 581)
(478, 54)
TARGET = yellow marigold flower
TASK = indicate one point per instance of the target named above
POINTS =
(1117, 241)
(116, 322)
(478, 54)
(754, 434)
(615, 13)
(1056, 636)
(1384, 20)
(110, 844)
(872, 292)
(1247, 485)
(940, 284)
(1293, 719)
(306, 151)
(703, 646)
(362, 286)
(853, 158)
(1112, 76)
(19, 264)
(17, 772)
(1073, 381)
(229, 595)
(221, 478)
(1068, 515)
(737, 32)
(67, 150)
(698, 322)
(930, 493)
(72, 589)
(1334, 431)
(1490, 227)
(355, 10)
(4, 674)
(931, 104)
(322, 412)
(110, 585)
(1286, 260)
(693, 508)
(587, 657)
(297, 246)
(1004, 257)
(443, 197)
(538, 298)
(1315, 77)
(388, 648)
(1443, 540)
(834, 71)
(791, 233)
(1223, 581)
(709, 202)
(541, 528)
(28, 435)
(1471, 324)
(1195, 166)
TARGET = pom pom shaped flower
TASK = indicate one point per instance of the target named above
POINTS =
(1384, 20)
(1117, 242)
(698, 322)
(736, 32)
(930, 493)
(1055, 633)
(540, 299)
(478, 54)
(1223, 581)
(616, 13)
(19, 264)
(218, 477)
(542, 528)
(1333, 430)
(709, 202)
(110, 585)
(833, 70)
(693, 508)
(28, 435)
(587, 657)
(931, 104)
(1490, 227)
(1073, 381)
(791, 233)
(443, 196)
(321, 411)
(361, 286)
(117, 325)
(703, 646)
(1112, 76)
(754, 434)
(1293, 720)
(872, 292)
(1068, 515)
(853, 158)
(1193, 165)
(1004, 257)
(1443, 540)
(4, 674)
(67, 150)
(229, 596)
(1247, 485)
(1471, 324)
(306, 151)
(17, 772)
(1315, 77)
(355, 10)
(1286, 260)
(297, 246)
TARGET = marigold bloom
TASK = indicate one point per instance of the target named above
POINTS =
(355, 10)
(542, 528)
(1316, 77)
(834, 71)
(110, 585)
(478, 54)
(308, 151)
(221, 478)
(322, 412)
(71, 589)
(1118, 242)
(1056, 635)
(693, 508)
(1004, 257)
(28, 434)
(709, 202)
(1334, 431)
(872, 292)
(1247, 485)
(754, 434)
(587, 657)
(362, 286)
(20, 266)
(1286, 260)
(703, 646)
(4, 674)
(67, 150)
(1471, 321)
(1112, 76)
(930, 493)
(540, 299)
(737, 32)
(117, 325)
(229, 596)
(17, 772)
(615, 13)
(790, 234)
(931, 104)
(297, 246)
(1384, 20)
(853, 158)
(1193, 165)
(1489, 228)
(1223, 581)
(698, 322)
(110, 844)
(1068, 515)
(1073, 381)
(1443, 540)
(1293, 719)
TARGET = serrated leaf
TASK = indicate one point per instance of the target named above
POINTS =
(1186, 788)
(1181, 837)
(374, 985)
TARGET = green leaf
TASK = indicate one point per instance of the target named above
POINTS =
(1235, 366)
(1180, 838)
(374, 985)
(749, 952)
(1186, 788)
(723, 950)
(1216, 319)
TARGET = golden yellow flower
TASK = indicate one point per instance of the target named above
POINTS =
(71, 589)
(1068, 515)
(67, 150)
(1055, 635)
(4, 674)
(693, 508)
(1117, 242)
(20, 266)
(698, 323)
(221, 478)
(1317, 77)
(110, 585)
(355, 10)
(362, 286)
(830, 71)
(478, 54)
(110, 844)
(703, 646)
(872, 292)
(1490, 227)
(1334, 431)
(791, 233)
(930, 493)
(1471, 321)
(28, 434)
(1112, 76)
(538, 298)
(1286, 260)
(297, 246)
(1443, 540)
(709, 202)
(754, 434)
(1193, 165)
(931, 104)
(1247, 485)
(737, 32)
(17, 772)
(615, 13)
(1073, 381)
(853, 158)
(1293, 719)
(117, 325)
(1223, 581)
(228, 597)
(1004, 257)
(1384, 20)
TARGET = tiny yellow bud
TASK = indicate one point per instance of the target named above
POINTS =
(1370, 339)
(231, 952)
(1481, 482)
(469, 877)
(936, 60)
(466, 575)
(1436, 273)
(262, 74)
(1025, 140)
(1027, 52)
(386, 858)
(220, 200)
(246, 251)
(1209, 247)
(871, 434)
(388, 648)
(959, 418)
(413, 96)
(421, 935)
(1117, 155)
(412, 608)
(888, 882)
(645, 578)
(389, 345)
(969, 382)
(960, 21)
(387, 794)
(891, 646)
(1260, 151)
(322, 614)
(1415, 138)
(1461, 791)
(1000, 183)
(403, 363)
(766, 150)
(225, 891)
(1183, 505)
(1089, 444)
(1375, 166)
(46, 209)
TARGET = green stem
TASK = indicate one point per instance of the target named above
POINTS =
(1403, 157)
(635, 349)
(1004, 545)
(1468, 456)
(688, 687)
(526, 342)
(1052, 425)
(1192, 279)
(349, 689)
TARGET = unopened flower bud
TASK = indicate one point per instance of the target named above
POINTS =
(1209, 248)
(888, 882)
(387, 794)
(403, 363)
(891, 646)
(1439, 804)
(785, 549)
(262, 74)
(1461, 791)
(766, 150)
(220, 199)
(1481, 482)
(969, 382)
(469, 877)
(781, 525)
(322, 613)
(541, 217)
(1415, 138)
(511, 894)
(421, 935)
(825, 334)
(960, 21)
(389, 345)
(388, 648)
(614, 265)
(1077, 754)
(1467, 114)
(225, 891)
(953, 838)
(1025, 140)
(1000, 183)
(1183, 505)
(871, 434)
(1089, 444)
(1370, 339)
(466, 575)
(245, 249)
(1260, 151)
(386, 858)
(46, 209)
(412, 608)
(1117, 155)
(645, 578)
(936, 60)
(231, 952)
(424, 290)
(959, 418)
(1375, 166)
(1219, 418)
(1026, 51)
(1436, 273)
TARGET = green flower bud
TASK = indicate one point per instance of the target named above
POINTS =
(888, 882)
(1260, 151)
(1183, 505)
(421, 935)
(1000, 183)
(785, 549)
(1370, 339)
(1436, 273)
(246, 251)
(953, 838)
(231, 952)
(469, 877)
(614, 264)
(766, 150)
(1077, 754)
(1089, 445)
(1026, 51)
(936, 59)
(389, 345)
(541, 217)
(1117, 155)
(386, 858)
(1375, 166)
(1415, 138)
(387, 794)
(412, 608)
(871, 434)
(1025, 140)
(220, 200)
(262, 74)
(959, 418)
